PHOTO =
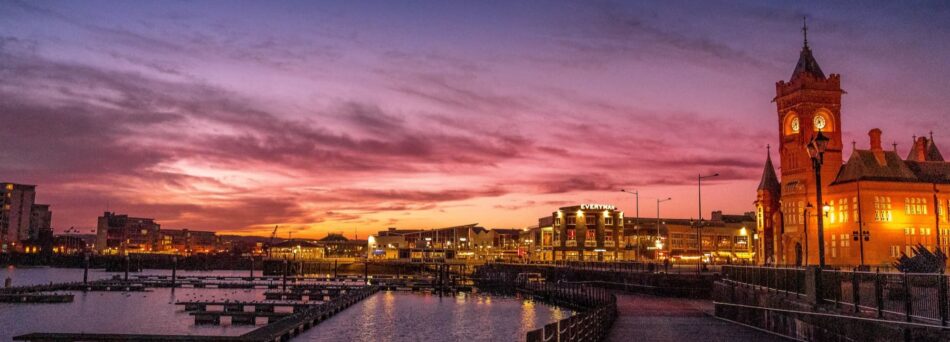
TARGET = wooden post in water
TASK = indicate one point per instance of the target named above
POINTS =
(285, 275)
(127, 261)
(335, 266)
(252, 268)
(85, 272)
(366, 271)
(174, 269)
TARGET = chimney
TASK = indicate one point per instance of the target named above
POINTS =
(875, 136)
(920, 148)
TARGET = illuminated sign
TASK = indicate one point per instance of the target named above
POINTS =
(597, 207)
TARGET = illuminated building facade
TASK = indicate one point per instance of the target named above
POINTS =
(591, 232)
(188, 242)
(16, 206)
(459, 243)
(122, 234)
(725, 238)
(296, 250)
(876, 199)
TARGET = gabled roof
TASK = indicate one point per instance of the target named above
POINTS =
(769, 181)
(864, 165)
(807, 65)
(931, 153)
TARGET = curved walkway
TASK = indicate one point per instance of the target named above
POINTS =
(649, 318)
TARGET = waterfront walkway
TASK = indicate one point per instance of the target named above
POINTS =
(649, 318)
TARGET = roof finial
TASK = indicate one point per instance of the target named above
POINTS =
(895, 146)
(854, 145)
(768, 149)
(931, 135)
(805, 29)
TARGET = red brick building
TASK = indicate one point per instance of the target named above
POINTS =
(893, 203)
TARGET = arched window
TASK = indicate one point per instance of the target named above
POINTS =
(791, 124)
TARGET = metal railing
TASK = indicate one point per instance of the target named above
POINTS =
(909, 297)
(788, 280)
(597, 310)
(912, 297)
(633, 266)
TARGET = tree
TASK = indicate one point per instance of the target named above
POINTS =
(924, 261)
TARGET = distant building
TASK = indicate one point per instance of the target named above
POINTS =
(725, 239)
(591, 232)
(427, 245)
(73, 244)
(121, 234)
(242, 245)
(338, 246)
(296, 250)
(15, 213)
(187, 242)
(40, 221)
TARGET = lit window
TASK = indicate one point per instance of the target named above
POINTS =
(882, 209)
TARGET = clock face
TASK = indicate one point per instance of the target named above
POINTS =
(820, 122)
(795, 125)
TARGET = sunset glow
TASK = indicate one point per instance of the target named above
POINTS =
(236, 117)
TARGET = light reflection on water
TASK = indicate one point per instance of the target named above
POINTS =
(150, 312)
(386, 316)
(401, 316)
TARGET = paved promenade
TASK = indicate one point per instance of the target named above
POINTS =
(648, 318)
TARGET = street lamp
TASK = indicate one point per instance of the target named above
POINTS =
(816, 150)
(699, 227)
(659, 243)
(636, 221)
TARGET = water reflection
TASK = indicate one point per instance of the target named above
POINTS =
(401, 316)
(386, 316)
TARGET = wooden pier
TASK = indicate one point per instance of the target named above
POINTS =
(36, 298)
(282, 329)
(100, 285)
(237, 317)
(202, 306)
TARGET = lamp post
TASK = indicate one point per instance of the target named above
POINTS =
(659, 243)
(805, 228)
(636, 221)
(699, 226)
(816, 150)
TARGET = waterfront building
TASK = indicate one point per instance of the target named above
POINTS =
(187, 242)
(122, 234)
(72, 244)
(242, 245)
(40, 222)
(725, 239)
(338, 246)
(591, 232)
(459, 242)
(296, 250)
(16, 207)
(875, 207)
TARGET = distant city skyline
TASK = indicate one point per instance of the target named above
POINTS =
(330, 117)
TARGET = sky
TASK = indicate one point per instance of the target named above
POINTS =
(355, 116)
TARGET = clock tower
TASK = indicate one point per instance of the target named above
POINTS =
(808, 103)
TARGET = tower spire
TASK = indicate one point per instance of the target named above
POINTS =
(805, 29)
(806, 62)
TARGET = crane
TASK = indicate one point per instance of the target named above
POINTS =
(273, 235)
